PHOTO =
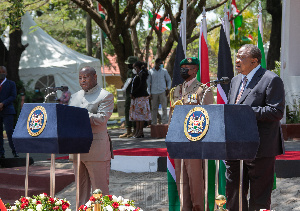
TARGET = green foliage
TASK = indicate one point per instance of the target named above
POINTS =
(293, 113)
(277, 68)
(112, 89)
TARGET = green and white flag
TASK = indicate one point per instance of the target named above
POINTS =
(260, 39)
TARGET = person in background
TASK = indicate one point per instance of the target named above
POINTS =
(19, 102)
(38, 96)
(65, 96)
(139, 108)
(127, 87)
(159, 83)
(95, 165)
(8, 93)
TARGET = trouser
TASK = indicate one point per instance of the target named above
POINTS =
(128, 123)
(260, 174)
(8, 121)
(193, 183)
(156, 99)
(92, 175)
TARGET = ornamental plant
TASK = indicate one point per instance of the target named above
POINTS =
(41, 202)
(111, 203)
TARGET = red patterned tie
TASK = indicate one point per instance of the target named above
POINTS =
(242, 89)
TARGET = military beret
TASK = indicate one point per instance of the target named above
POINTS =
(190, 61)
(131, 60)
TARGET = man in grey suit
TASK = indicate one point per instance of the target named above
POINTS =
(95, 165)
(263, 90)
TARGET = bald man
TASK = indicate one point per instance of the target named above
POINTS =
(95, 165)
(8, 93)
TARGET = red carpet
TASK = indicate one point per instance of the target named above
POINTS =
(162, 152)
(289, 155)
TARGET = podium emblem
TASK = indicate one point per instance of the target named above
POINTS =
(196, 124)
(36, 121)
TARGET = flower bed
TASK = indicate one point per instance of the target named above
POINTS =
(42, 202)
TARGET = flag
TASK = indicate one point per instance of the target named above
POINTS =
(225, 69)
(203, 73)
(238, 20)
(2, 206)
(101, 10)
(260, 41)
(166, 24)
(174, 202)
(177, 79)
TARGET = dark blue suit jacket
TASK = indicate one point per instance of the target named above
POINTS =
(265, 94)
(8, 94)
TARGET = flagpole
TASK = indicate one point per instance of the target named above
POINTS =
(184, 26)
(101, 48)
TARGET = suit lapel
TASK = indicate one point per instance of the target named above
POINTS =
(256, 78)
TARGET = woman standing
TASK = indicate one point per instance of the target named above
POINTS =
(139, 108)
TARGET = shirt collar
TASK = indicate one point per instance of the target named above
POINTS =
(251, 74)
(92, 90)
(188, 83)
(3, 81)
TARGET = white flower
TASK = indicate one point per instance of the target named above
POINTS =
(120, 199)
(59, 202)
(30, 209)
(126, 201)
(39, 207)
(88, 204)
(68, 209)
(108, 208)
(13, 208)
(114, 198)
(122, 208)
(33, 201)
(17, 202)
(42, 196)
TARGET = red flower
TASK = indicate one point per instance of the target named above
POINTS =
(127, 205)
(93, 199)
(110, 197)
(66, 204)
(38, 202)
(56, 208)
(64, 207)
(115, 205)
(23, 205)
(23, 200)
(45, 194)
(52, 200)
(81, 207)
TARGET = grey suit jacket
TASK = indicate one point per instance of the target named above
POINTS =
(265, 94)
(100, 104)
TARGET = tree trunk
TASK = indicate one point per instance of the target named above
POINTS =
(14, 55)
(3, 54)
(88, 32)
(274, 7)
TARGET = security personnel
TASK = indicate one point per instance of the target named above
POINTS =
(191, 93)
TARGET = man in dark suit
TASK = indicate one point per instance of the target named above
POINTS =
(8, 93)
(263, 90)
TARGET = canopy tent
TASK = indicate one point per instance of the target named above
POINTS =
(290, 51)
(45, 56)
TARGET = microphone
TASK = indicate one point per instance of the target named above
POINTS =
(58, 88)
(223, 80)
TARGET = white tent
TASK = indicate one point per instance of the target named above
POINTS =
(46, 56)
(290, 50)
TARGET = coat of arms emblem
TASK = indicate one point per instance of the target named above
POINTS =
(196, 124)
(36, 121)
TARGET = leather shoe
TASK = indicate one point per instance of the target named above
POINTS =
(16, 155)
(2, 156)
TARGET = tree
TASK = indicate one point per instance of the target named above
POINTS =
(274, 7)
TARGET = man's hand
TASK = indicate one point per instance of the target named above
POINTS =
(150, 96)
(167, 92)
